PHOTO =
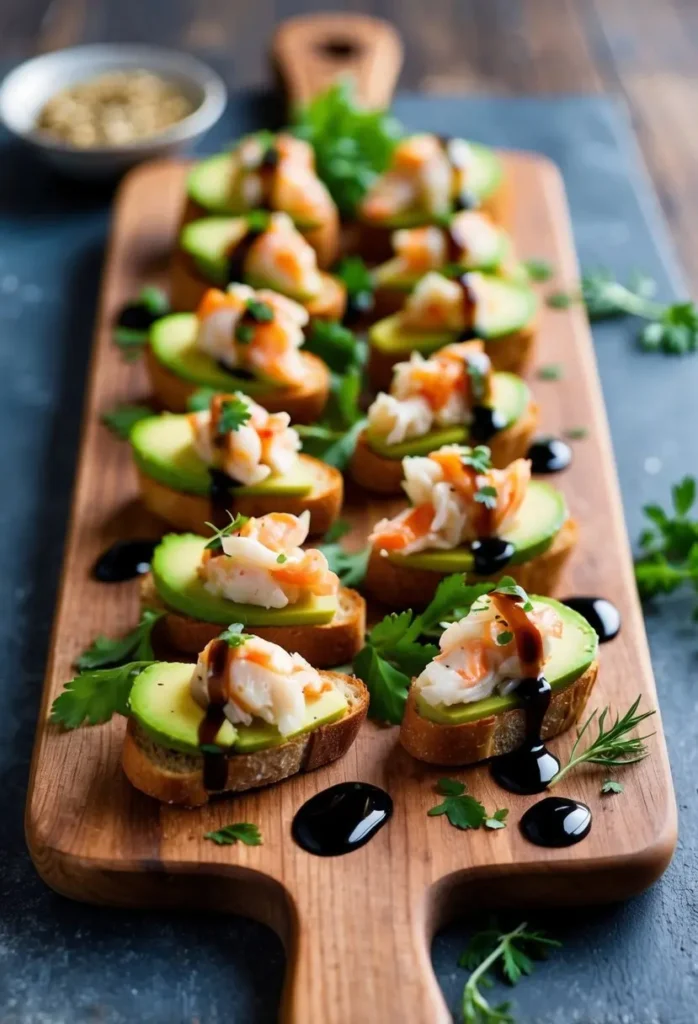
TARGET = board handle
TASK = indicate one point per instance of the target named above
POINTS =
(357, 954)
(313, 51)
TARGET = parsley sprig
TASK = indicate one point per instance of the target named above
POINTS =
(670, 545)
(242, 832)
(350, 566)
(671, 328)
(513, 953)
(333, 438)
(135, 646)
(358, 282)
(613, 746)
(336, 345)
(235, 412)
(464, 811)
(96, 695)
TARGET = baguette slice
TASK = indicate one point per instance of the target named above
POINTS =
(510, 352)
(468, 742)
(384, 476)
(401, 586)
(189, 512)
(324, 646)
(304, 403)
(176, 778)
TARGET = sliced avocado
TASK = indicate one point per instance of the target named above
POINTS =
(540, 519)
(209, 184)
(173, 343)
(572, 654)
(174, 567)
(510, 396)
(162, 704)
(209, 241)
(163, 449)
(388, 275)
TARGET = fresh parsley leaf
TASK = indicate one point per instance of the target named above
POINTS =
(235, 412)
(559, 300)
(234, 636)
(242, 832)
(95, 696)
(358, 282)
(333, 439)
(260, 311)
(553, 371)
(462, 810)
(613, 745)
(670, 546)
(135, 646)
(350, 566)
(336, 345)
(236, 523)
(386, 684)
(674, 332)
(452, 595)
(504, 638)
(611, 786)
(487, 496)
(498, 819)
(538, 270)
(478, 458)
(352, 145)
(576, 433)
(340, 528)
(155, 300)
(200, 400)
(123, 418)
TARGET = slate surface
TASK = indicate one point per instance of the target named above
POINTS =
(60, 961)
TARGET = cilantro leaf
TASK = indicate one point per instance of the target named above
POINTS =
(135, 646)
(95, 696)
(350, 566)
(242, 832)
(487, 496)
(387, 685)
(478, 458)
(611, 786)
(123, 418)
(670, 546)
(462, 810)
(453, 594)
(333, 439)
(235, 412)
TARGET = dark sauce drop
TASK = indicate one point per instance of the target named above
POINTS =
(137, 316)
(239, 372)
(490, 555)
(549, 456)
(215, 762)
(486, 422)
(556, 821)
(221, 486)
(601, 614)
(238, 255)
(124, 561)
(530, 767)
(465, 200)
(358, 305)
(341, 819)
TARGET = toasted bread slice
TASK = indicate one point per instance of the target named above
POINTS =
(189, 512)
(402, 586)
(188, 286)
(384, 476)
(325, 646)
(304, 403)
(510, 352)
(468, 742)
(176, 778)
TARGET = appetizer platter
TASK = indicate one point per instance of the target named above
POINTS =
(486, 556)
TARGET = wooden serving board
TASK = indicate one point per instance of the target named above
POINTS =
(357, 928)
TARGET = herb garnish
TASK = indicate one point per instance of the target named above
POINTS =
(95, 696)
(236, 523)
(334, 437)
(352, 145)
(234, 636)
(513, 951)
(135, 646)
(478, 458)
(131, 340)
(538, 270)
(358, 282)
(123, 418)
(336, 345)
(349, 566)
(612, 746)
(242, 832)
(611, 786)
(670, 546)
(200, 400)
(576, 433)
(487, 496)
(553, 371)
(235, 412)
(464, 811)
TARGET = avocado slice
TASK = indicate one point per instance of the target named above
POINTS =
(163, 449)
(174, 567)
(173, 343)
(162, 704)
(572, 654)
(209, 241)
(540, 519)
(510, 395)
(389, 275)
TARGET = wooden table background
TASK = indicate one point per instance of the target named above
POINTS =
(644, 50)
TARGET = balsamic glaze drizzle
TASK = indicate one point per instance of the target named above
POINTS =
(238, 254)
(549, 456)
(124, 560)
(221, 486)
(556, 821)
(341, 819)
(215, 763)
(601, 614)
(491, 555)
(486, 422)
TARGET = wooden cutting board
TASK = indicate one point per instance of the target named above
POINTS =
(357, 928)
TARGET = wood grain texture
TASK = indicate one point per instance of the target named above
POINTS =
(356, 927)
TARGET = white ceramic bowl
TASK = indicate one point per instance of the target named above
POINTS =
(26, 89)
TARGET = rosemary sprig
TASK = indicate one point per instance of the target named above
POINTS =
(613, 746)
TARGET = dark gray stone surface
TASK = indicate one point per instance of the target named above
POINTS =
(60, 961)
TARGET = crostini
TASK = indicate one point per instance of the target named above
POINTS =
(255, 572)
(464, 706)
(450, 398)
(430, 178)
(467, 517)
(232, 457)
(441, 310)
(239, 340)
(268, 172)
(470, 241)
(262, 250)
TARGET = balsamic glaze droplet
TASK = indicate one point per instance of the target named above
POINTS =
(124, 561)
(358, 305)
(556, 821)
(240, 372)
(341, 819)
(221, 486)
(465, 200)
(486, 422)
(530, 767)
(491, 554)
(601, 614)
(549, 456)
(137, 316)
(215, 761)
